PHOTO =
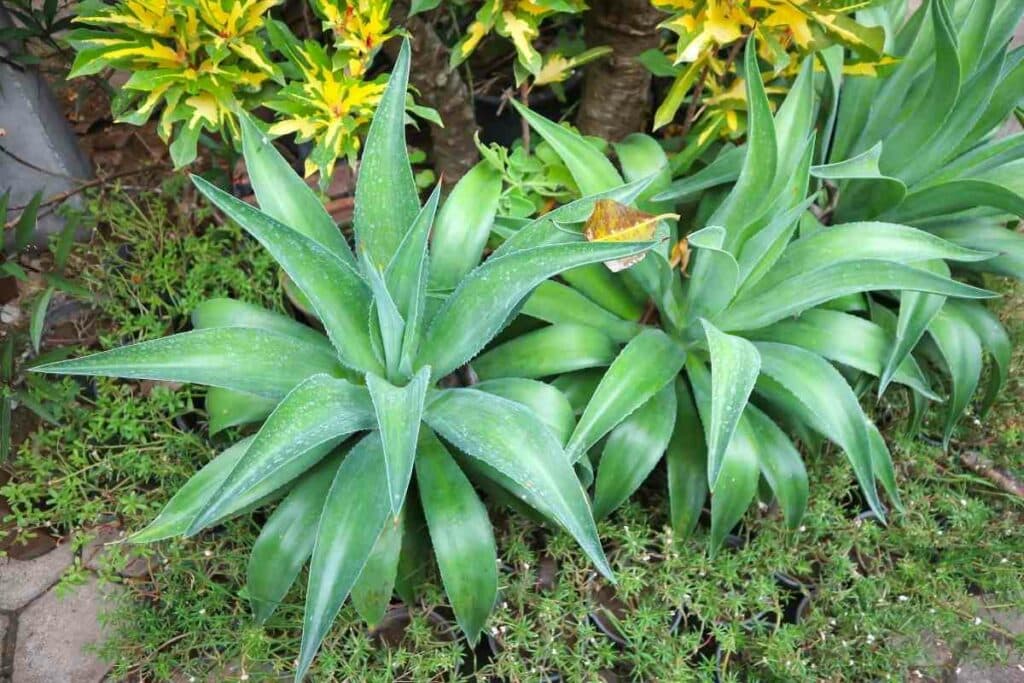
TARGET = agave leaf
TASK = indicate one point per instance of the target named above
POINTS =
(871, 193)
(847, 339)
(881, 463)
(548, 403)
(995, 341)
(1003, 101)
(644, 366)
(735, 364)
(918, 126)
(601, 286)
(233, 313)
(781, 465)
(274, 363)
(686, 460)
(556, 303)
(509, 438)
(226, 408)
(406, 274)
(406, 279)
(590, 169)
(386, 198)
(961, 350)
(286, 197)
(985, 157)
(479, 307)
(416, 555)
(958, 195)
(764, 248)
(190, 499)
(793, 125)
(973, 32)
(739, 471)
(354, 514)
(390, 331)
(463, 226)
(632, 450)
(711, 288)
(870, 240)
(371, 593)
(916, 311)
(970, 106)
(285, 544)
(578, 387)
(307, 424)
(724, 169)
(399, 411)
(339, 296)
(752, 193)
(548, 351)
(641, 156)
(998, 239)
(831, 282)
(826, 403)
(462, 535)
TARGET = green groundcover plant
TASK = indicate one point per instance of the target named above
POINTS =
(354, 414)
(809, 283)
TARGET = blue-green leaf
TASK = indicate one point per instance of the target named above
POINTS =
(386, 198)
(399, 411)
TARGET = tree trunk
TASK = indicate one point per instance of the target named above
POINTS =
(616, 91)
(453, 149)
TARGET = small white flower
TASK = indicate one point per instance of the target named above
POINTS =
(202, 610)
(903, 598)
(977, 621)
(207, 553)
(870, 639)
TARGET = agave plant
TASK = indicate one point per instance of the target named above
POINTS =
(778, 324)
(352, 415)
(942, 168)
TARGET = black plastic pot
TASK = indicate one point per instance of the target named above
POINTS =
(499, 121)
(390, 632)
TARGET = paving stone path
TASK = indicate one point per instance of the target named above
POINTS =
(45, 633)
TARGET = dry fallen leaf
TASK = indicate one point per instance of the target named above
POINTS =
(615, 222)
(680, 256)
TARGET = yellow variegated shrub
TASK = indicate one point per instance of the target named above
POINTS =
(519, 21)
(710, 32)
(197, 63)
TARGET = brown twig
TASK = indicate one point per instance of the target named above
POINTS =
(691, 110)
(524, 97)
(984, 467)
(67, 194)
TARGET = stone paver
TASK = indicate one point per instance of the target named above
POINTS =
(20, 581)
(52, 633)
